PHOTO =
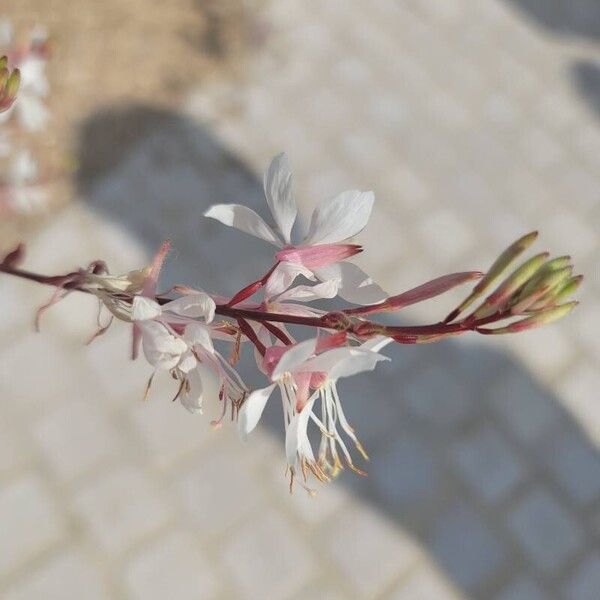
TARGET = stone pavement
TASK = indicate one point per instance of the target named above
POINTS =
(472, 122)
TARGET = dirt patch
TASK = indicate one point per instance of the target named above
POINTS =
(124, 51)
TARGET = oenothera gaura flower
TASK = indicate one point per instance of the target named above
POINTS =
(325, 248)
(306, 373)
(180, 334)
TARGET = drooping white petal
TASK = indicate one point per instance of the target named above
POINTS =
(283, 276)
(144, 308)
(244, 219)
(296, 437)
(340, 218)
(359, 362)
(343, 362)
(253, 408)
(278, 191)
(187, 361)
(197, 334)
(294, 357)
(308, 293)
(193, 305)
(162, 349)
(192, 398)
(355, 285)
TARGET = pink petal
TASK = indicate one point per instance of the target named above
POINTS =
(319, 255)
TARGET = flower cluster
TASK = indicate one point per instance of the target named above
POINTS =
(21, 190)
(178, 331)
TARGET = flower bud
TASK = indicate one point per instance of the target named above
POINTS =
(9, 84)
(500, 296)
(495, 271)
(538, 319)
(540, 288)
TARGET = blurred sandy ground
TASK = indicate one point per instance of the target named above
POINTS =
(472, 124)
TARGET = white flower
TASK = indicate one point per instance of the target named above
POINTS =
(25, 194)
(304, 374)
(324, 249)
(173, 339)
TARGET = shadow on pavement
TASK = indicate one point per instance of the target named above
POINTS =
(578, 19)
(468, 453)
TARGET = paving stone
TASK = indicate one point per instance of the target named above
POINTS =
(58, 374)
(547, 532)
(407, 474)
(466, 548)
(529, 411)
(213, 508)
(67, 575)
(425, 583)
(575, 462)
(74, 438)
(488, 464)
(523, 588)
(260, 568)
(15, 449)
(312, 510)
(30, 521)
(569, 234)
(585, 582)
(108, 359)
(119, 508)
(171, 567)
(546, 351)
(438, 397)
(167, 430)
(368, 551)
(577, 391)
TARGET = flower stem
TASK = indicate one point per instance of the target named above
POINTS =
(362, 328)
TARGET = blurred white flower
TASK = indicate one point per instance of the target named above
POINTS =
(25, 194)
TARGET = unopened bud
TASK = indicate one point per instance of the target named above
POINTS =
(509, 286)
(496, 271)
(555, 264)
(567, 289)
(543, 317)
(541, 288)
(9, 84)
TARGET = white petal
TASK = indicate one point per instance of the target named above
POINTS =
(355, 285)
(296, 437)
(162, 349)
(278, 191)
(244, 219)
(376, 343)
(359, 362)
(144, 308)
(197, 334)
(194, 306)
(192, 399)
(283, 276)
(252, 409)
(343, 362)
(187, 361)
(32, 112)
(308, 293)
(340, 218)
(294, 357)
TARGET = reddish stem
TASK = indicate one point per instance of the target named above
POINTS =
(403, 334)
